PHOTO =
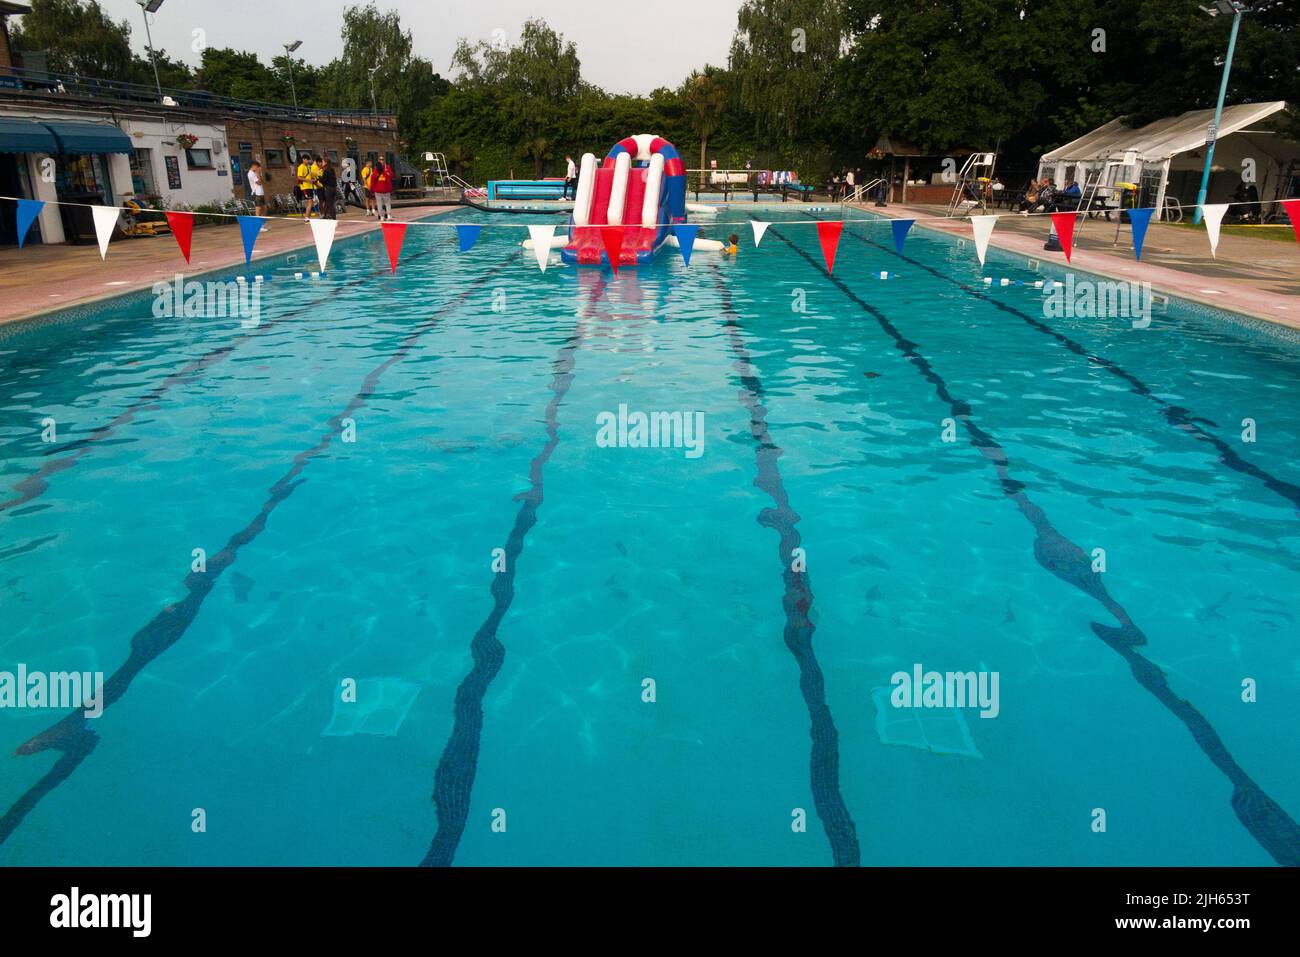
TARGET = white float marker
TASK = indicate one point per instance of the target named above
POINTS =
(105, 223)
(1213, 214)
(322, 230)
(541, 237)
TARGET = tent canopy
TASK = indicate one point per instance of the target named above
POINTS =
(1163, 139)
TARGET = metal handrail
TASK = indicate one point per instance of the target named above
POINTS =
(75, 85)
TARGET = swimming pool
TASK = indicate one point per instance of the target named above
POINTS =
(570, 651)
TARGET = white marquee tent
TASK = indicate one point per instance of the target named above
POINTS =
(1166, 157)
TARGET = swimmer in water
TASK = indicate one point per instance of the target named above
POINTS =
(733, 246)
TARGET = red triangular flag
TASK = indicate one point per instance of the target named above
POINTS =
(1064, 224)
(394, 235)
(1292, 207)
(612, 237)
(182, 227)
(829, 236)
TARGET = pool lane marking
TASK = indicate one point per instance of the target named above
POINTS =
(1263, 817)
(1177, 416)
(453, 782)
(35, 485)
(824, 761)
(73, 734)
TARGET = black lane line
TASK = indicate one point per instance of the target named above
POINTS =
(1177, 416)
(453, 782)
(824, 763)
(1263, 817)
(73, 735)
(66, 455)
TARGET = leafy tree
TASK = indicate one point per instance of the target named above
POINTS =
(783, 61)
(77, 36)
(705, 99)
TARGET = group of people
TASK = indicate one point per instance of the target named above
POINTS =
(844, 182)
(317, 187)
(1044, 197)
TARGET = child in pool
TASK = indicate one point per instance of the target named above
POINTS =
(732, 245)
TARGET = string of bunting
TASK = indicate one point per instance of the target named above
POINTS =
(829, 231)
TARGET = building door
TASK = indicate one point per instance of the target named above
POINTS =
(10, 185)
(142, 178)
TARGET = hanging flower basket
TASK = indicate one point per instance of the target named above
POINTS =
(288, 138)
(186, 141)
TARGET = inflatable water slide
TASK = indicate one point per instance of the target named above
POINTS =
(641, 187)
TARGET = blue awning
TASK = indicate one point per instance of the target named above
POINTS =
(25, 136)
(76, 137)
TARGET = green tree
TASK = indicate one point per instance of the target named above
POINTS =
(783, 62)
(705, 100)
(77, 36)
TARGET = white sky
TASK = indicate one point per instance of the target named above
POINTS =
(620, 50)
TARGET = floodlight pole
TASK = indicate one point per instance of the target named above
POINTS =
(144, 12)
(1213, 133)
(288, 55)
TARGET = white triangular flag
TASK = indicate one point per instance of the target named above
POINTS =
(541, 237)
(983, 229)
(105, 223)
(759, 230)
(1213, 214)
(322, 230)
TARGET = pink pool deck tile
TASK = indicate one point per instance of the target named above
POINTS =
(38, 279)
(1256, 277)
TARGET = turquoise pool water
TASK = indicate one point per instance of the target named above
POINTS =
(475, 385)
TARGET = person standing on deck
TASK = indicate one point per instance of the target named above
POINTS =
(306, 183)
(381, 183)
(570, 177)
(257, 187)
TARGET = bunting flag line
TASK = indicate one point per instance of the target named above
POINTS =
(1139, 219)
(1213, 214)
(828, 234)
(759, 230)
(900, 228)
(249, 227)
(105, 223)
(28, 210)
(541, 237)
(394, 236)
(611, 237)
(467, 233)
(982, 226)
(322, 231)
(686, 233)
(182, 227)
(1063, 223)
(1292, 207)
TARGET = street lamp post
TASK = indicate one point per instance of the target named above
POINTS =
(288, 52)
(1236, 8)
(147, 7)
(373, 108)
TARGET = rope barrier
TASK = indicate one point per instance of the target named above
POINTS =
(877, 219)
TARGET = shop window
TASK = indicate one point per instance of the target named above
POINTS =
(198, 159)
(275, 159)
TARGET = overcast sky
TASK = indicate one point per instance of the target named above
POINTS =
(624, 47)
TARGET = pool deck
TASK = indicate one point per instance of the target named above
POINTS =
(1256, 277)
(38, 279)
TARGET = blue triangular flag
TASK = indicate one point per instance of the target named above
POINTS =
(900, 228)
(467, 233)
(1139, 219)
(686, 233)
(28, 210)
(249, 227)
